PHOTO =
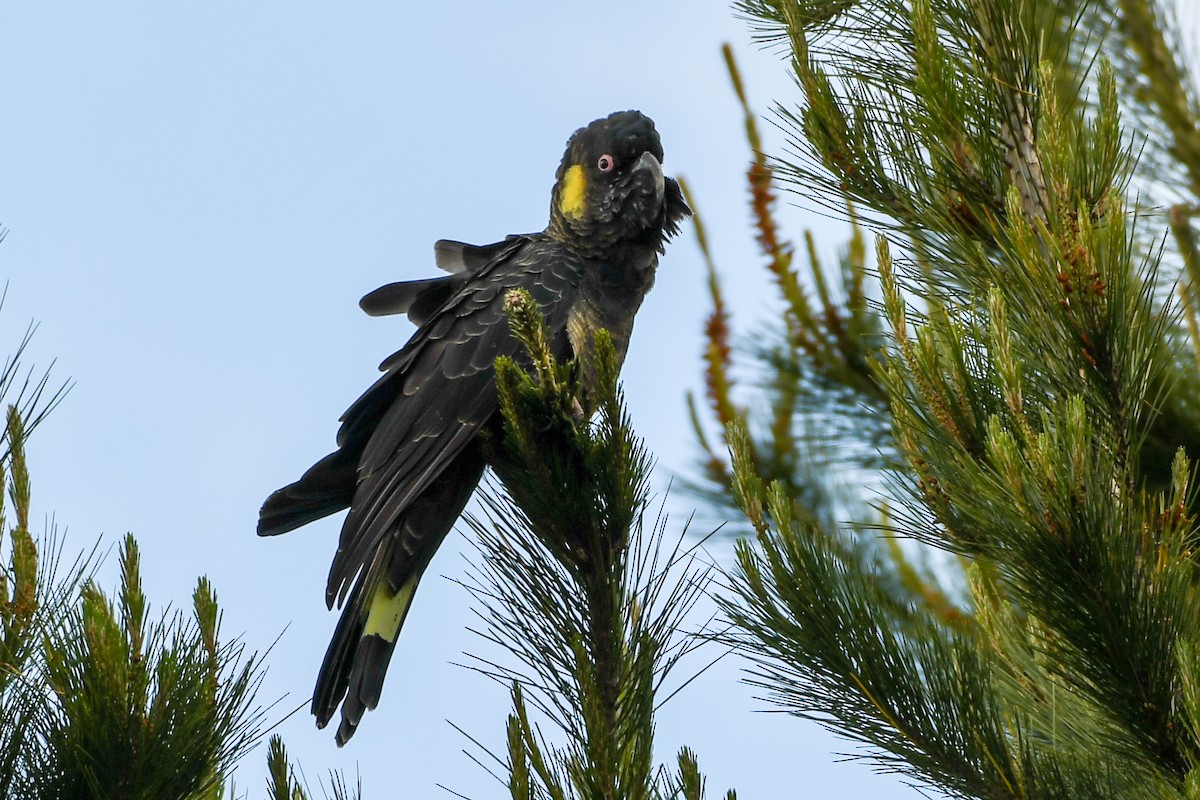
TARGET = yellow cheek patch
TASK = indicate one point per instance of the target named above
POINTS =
(387, 611)
(572, 199)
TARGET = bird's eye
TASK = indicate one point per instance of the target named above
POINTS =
(605, 163)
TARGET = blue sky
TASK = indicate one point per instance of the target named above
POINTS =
(198, 194)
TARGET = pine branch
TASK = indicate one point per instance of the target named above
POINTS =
(588, 602)
(283, 784)
(150, 709)
(816, 366)
(96, 700)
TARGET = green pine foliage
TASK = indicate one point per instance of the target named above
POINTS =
(283, 783)
(1013, 608)
(145, 709)
(98, 698)
(31, 601)
(590, 603)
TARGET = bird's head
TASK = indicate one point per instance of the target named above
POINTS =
(610, 190)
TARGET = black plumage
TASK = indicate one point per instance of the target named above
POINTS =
(409, 455)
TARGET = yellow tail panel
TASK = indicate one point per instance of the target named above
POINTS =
(387, 610)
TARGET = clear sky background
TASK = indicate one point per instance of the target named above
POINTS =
(199, 193)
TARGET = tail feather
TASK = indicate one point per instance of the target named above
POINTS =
(327, 487)
(357, 659)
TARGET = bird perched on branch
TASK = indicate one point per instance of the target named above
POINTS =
(409, 452)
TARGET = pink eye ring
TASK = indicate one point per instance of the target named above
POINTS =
(605, 163)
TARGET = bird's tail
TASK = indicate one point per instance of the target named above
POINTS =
(327, 487)
(357, 659)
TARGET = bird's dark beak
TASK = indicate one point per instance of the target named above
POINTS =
(650, 164)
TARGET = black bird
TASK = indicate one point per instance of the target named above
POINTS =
(409, 454)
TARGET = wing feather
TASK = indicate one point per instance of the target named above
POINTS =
(419, 299)
(456, 257)
(439, 393)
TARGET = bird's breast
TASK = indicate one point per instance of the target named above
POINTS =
(609, 297)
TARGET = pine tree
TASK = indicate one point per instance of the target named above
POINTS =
(1012, 385)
